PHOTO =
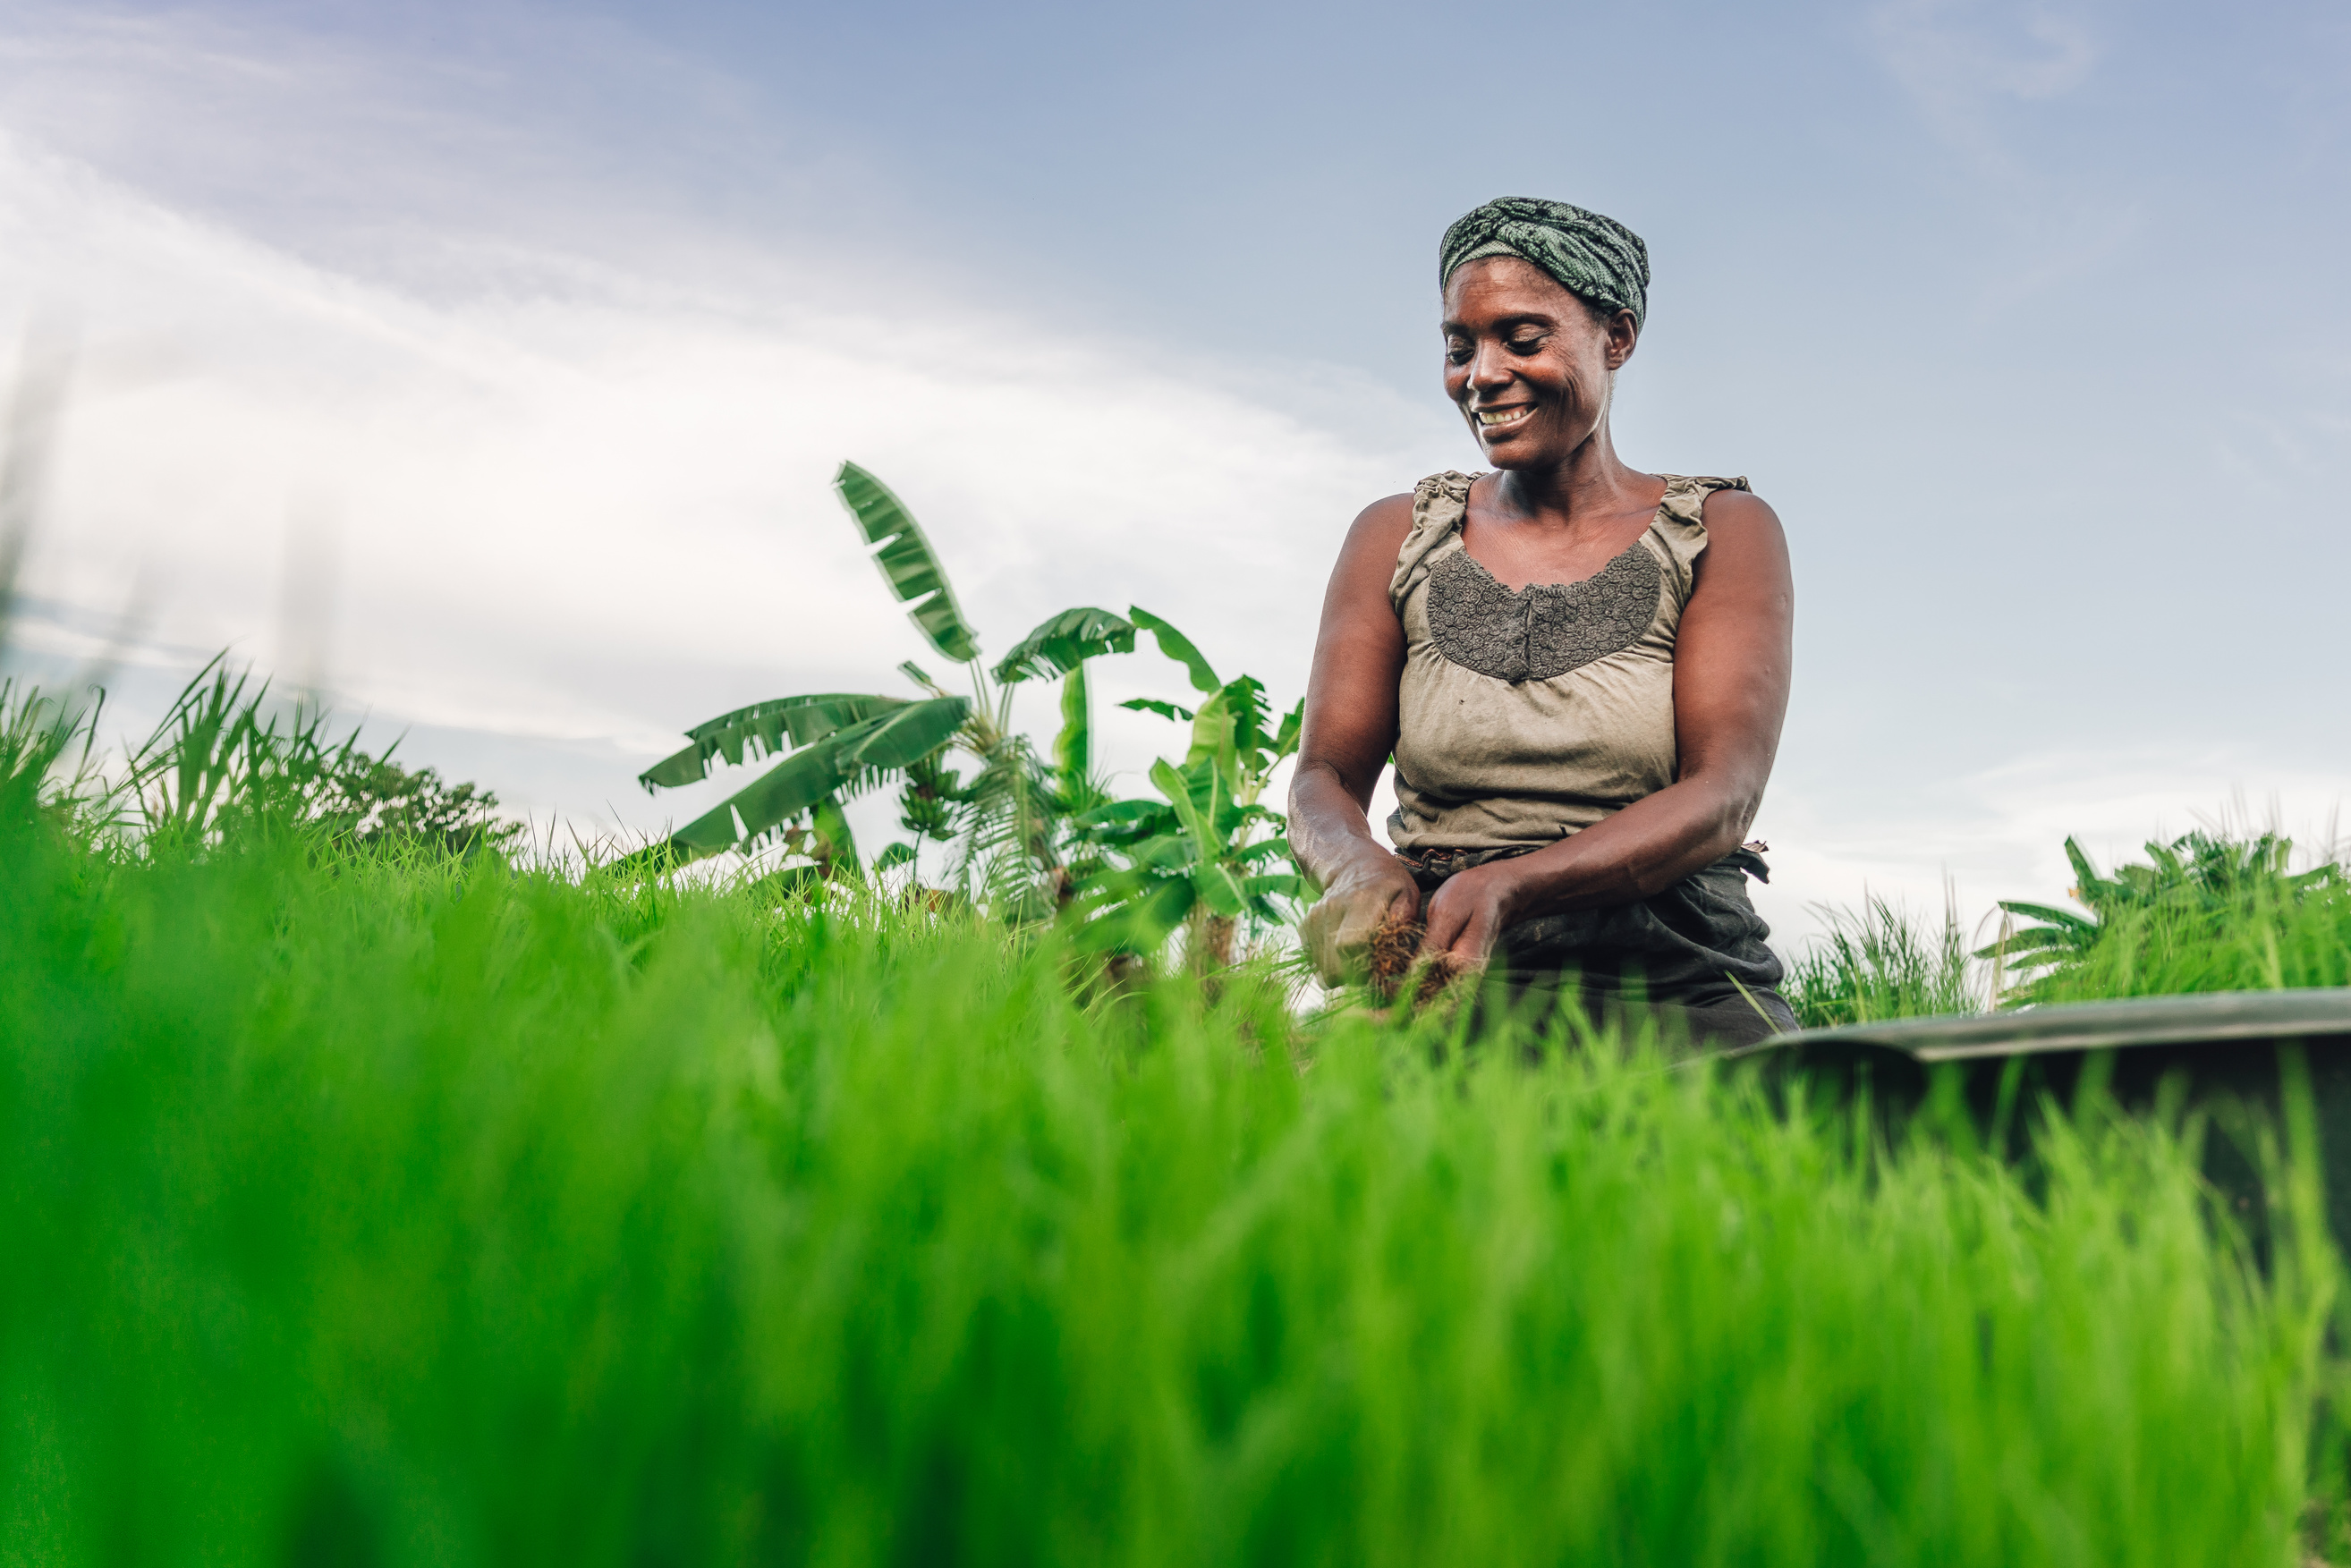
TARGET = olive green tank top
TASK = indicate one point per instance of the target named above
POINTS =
(1524, 716)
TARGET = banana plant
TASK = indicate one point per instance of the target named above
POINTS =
(1205, 856)
(836, 744)
(2197, 872)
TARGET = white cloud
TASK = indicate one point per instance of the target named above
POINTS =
(1960, 58)
(585, 505)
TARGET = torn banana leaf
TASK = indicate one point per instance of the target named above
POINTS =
(1066, 642)
(907, 562)
(1178, 647)
(882, 744)
(764, 729)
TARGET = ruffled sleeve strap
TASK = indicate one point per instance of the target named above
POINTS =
(1438, 504)
(1679, 526)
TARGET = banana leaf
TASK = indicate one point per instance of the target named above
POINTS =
(2034, 944)
(1212, 737)
(1218, 887)
(787, 882)
(1178, 647)
(1172, 852)
(2086, 875)
(837, 846)
(763, 729)
(1111, 812)
(1067, 641)
(1285, 739)
(2050, 913)
(1073, 748)
(1132, 912)
(1220, 890)
(903, 736)
(1245, 695)
(2066, 932)
(907, 562)
(808, 777)
(1164, 709)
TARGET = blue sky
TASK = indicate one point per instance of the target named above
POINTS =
(2027, 317)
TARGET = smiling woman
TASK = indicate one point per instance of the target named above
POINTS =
(1578, 668)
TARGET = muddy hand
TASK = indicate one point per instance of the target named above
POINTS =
(1337, 932)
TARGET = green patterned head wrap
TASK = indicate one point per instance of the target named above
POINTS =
(1592, 257)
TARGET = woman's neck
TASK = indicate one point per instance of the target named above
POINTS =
(1593, 482)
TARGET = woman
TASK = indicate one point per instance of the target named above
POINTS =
(1578, 668)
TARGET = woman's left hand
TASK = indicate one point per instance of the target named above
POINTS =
(1466, 914)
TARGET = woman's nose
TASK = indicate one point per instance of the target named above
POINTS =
(1489, 367)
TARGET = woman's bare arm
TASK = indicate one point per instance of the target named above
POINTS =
(1349, 734)
(1732, 659)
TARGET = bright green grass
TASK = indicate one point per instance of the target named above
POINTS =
(1877, 963)
(374, 1213)
(2263, 929)
(2261, 937)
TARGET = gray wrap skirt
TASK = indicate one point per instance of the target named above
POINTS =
(1693, 957)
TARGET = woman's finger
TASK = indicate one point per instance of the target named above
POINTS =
(1474, 945)
(1470, 934)
(1447, 920)
(1325, 934)
(1363, 920)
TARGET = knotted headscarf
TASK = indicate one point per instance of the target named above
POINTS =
(1595, 257)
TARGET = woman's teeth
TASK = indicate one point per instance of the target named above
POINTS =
(1487, 418)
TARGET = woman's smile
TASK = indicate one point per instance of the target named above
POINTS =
(1492, 419)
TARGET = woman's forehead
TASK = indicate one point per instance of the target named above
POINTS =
(1497, 285)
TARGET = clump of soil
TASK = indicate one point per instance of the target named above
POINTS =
(1397, 965)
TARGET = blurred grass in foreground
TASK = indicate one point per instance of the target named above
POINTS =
(381, 1208)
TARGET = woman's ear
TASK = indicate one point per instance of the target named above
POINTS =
(1624, 337)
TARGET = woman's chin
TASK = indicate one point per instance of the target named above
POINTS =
(1512, 450)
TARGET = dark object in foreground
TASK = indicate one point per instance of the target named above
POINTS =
(2223, 1053)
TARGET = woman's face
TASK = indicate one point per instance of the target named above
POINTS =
(1526, 362)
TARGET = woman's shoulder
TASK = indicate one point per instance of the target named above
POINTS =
(1386, 523)
(1740, 532)
(1695, 503)
(1379, 529)
(1436, 490)
(1733, 502)
(1439, 504)
(1688, 495)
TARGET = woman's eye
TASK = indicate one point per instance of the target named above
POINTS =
(1458, 353)
(1525, 345)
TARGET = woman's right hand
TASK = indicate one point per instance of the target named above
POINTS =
(1337, 932)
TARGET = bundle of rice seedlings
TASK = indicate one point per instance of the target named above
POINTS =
(1399, 967)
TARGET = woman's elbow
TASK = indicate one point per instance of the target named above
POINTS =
(1732, 795)
(1721, 810)
(1320, 777)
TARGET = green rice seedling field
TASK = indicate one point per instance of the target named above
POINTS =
(369, 1203)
